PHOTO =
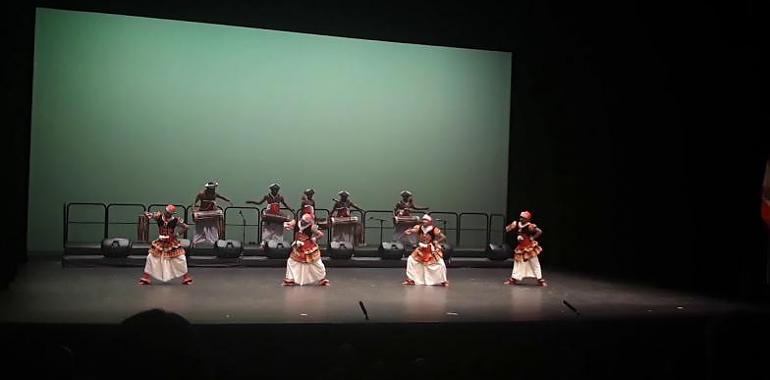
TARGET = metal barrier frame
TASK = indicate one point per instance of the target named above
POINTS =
(489, 228)
(67, 220)
(240, 208)
(365, 218)
(460, 229)
(107, 217)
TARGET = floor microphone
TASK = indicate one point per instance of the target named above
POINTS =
(363, 309)
(570, 307)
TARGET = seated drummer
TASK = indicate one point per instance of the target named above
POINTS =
(307, 202)
(342, 206)
(406, 205)
(274, 201)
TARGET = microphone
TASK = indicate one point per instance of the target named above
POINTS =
(363, 309)
(569, 305)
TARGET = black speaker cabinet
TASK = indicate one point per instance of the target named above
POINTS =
(391, 250)
(228, 249)
(340, 250)
(499, 252)
(116, 247)
(277, 250)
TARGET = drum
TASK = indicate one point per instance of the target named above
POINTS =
(207, 215)
(344, 220)
(343, 212)
(406, 220)
(403, 212)
(143, 228)
(273, 218)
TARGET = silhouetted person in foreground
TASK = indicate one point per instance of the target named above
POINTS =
(155, 344)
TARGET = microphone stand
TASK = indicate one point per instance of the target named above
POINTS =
(243, 220)
(381, 227)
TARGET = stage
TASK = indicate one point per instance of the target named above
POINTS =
(45, 292)
(244, 324)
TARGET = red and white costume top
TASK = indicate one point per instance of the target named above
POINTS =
(305, 249)
(428, 250)
(528, 247)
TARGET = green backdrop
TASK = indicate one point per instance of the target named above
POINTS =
(130, 109)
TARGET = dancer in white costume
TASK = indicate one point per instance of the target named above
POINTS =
(166, 260)
(425, 266)
(304, 266)
(526, 263)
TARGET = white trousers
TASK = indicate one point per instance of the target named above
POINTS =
(529, 268)
(305, 273)
(165, 268)
(206, 231)
(421, 274)
(344, 233)
(272, 232)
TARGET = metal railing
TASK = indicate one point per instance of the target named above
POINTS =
(460, 229)
(382, 221)
(243, 224)
(112, 206)
(449, 221)
(492, 217)
(67, 221)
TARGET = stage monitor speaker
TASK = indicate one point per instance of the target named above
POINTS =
(391, 250)
(116, 247)
(341, 250)
(499, 252)
(277, 250)
(228, 249)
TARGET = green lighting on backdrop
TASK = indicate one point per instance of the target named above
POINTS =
(131, 109)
